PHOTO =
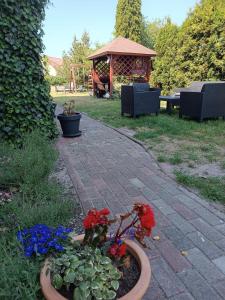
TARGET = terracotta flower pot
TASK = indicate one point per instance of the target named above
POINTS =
(136, 293)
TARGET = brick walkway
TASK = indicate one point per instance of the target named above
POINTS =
(108, 169)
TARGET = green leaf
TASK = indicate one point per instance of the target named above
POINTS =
(70, 277)
(57, 281)
(110, 295)
(115, 284)
(105, 260)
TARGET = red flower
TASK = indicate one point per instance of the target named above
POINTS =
(146, 217)
(117, 250)
(104, 211)
(122, 250)
(95, 217)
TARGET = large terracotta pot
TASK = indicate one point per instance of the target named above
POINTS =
(137, 291)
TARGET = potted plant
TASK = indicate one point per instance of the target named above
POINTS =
(70, 120)
(91, 265)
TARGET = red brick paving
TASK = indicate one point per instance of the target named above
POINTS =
(108, 169)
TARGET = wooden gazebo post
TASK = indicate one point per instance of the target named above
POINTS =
(111, 75)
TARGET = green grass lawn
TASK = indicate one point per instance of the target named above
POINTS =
(172, 140)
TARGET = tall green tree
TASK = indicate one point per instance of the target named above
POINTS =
(151, 32)
(25, 102)
(78, 54)
(201, 54)
(129, 20)
(166, 72)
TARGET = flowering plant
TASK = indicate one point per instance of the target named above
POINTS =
(140, 221)
(41, 239)
(92, 269)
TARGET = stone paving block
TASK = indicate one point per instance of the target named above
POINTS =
(100, 184)
(181, 242)
(173, 257)
(131, 190)
(183, 296)
(149, 194)
(87, 205)
(221, 244)
(92, 192)
(163, 207)
(209, 217)
(205, 267)
(210, 232)
(205, 245)
(198, 286)
(138, 198)
(169, 199)
(171, 189)
(164, 221)
(220, 288)
(184, 211)
(189, 202)
(154, 291)
(221, 228)
(137, 183)
(166, 278)
(115, 206)
(99, 203)
(220, 263)
(181, 223)
(146, 171)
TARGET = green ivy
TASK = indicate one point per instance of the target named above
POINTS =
(25, 103)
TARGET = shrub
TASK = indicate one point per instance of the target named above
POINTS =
(25, 103)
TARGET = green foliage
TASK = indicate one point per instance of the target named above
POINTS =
(201, 54)
(91, 273)
(77, 55)
(212, 188)
(55, 80)
(37, 200)
(193, 52)
(129, 20)
(165, 66)
(25, 103)
(29, 165)
(151, 32)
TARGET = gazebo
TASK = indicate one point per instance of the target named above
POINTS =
(121, 57)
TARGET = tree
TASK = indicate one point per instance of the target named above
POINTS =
(77, 55)
(151, 32)
(165, 71)
(129, 20)
(25, 102)
(201, 55)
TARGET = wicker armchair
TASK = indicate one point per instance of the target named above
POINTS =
(204, 100)
(139, 99)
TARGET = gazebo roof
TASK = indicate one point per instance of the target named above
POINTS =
(122, 46)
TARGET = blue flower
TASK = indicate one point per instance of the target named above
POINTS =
(59, 247)
(42, 250)
(42, 239)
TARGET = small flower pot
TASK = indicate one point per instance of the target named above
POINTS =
(136, 293)
(70, 124)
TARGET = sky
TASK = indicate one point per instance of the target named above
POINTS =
(67, 18)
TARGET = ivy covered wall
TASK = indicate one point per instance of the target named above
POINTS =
(25, 102)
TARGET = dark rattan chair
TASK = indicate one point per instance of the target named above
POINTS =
(204, 100)
(139, 99)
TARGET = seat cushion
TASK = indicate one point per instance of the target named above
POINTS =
(141, 87)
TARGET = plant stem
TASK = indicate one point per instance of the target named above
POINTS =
(129, 226)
